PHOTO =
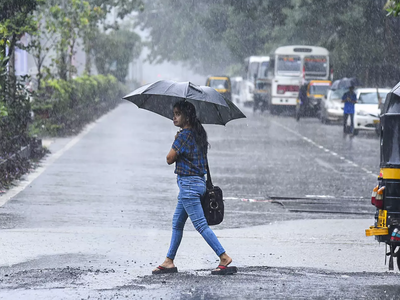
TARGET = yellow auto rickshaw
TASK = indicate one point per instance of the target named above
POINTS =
(386, 195)
(310, 98)
(221, 84)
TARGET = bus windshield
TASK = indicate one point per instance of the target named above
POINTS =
(263, 70)
(288, 65)
(315, 65)
(253, 69)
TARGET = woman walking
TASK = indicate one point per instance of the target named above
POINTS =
(189, 153)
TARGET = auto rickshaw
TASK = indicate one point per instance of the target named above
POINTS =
(386, 195)
(261, 95)
(222, 84)
(310, 97)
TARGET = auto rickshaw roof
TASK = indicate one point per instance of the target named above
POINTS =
(320, 82)
(219, 77)
(392, 101)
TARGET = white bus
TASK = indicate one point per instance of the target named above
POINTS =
(253, 65)
(290, 67)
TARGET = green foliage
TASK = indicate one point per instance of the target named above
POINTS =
(3, 111)
(214, 36)
(68, 21)
(115, 50)
(393, 8)
(210, 35)
(16, 18)
(66, 106)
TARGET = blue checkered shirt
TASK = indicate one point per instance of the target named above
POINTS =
(191, 160)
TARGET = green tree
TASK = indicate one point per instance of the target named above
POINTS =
(99, 11)
(115, 50)
(216, 34)
(39, 46)
(67, 21)
(211, 35)
(16, 19)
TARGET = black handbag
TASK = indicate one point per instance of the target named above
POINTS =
(212, 202)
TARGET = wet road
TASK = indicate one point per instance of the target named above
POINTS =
(94, 218)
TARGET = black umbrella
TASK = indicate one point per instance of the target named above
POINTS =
(160, 97)
(345, 83)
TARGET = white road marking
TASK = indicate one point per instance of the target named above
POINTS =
(323, 148)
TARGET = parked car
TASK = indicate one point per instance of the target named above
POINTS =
(332, 106)
(367, 110)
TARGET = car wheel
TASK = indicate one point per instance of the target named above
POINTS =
(355, 131)
(378, 130)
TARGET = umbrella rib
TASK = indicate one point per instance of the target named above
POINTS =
(219, 114)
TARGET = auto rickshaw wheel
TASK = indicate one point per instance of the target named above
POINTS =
(397, 254)
(273, 110)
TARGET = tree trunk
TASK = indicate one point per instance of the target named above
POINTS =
(62, 67)
(88, 59)
(11, 66)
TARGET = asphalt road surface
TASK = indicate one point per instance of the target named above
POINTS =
(94, 218)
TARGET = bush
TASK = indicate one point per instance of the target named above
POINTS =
(64, 107)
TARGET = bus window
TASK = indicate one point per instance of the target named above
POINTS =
(253, 70)
(315, 65)
(263, 70)
(288, 64)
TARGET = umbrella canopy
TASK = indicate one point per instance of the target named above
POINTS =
(161, 96)
(345, 83)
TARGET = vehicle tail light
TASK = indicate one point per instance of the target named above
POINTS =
(373, 196)
(395, 235)
(379, 198)
(281, 89)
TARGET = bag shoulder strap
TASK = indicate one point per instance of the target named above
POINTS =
(209, 181)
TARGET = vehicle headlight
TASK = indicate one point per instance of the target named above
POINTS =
(362, 113)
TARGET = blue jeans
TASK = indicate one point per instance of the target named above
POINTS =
(191, 188)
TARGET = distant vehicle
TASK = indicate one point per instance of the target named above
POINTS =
(332, 106)
(289, 68)
(221, 84)
(316, 90)
(252, 67)
(236, 83)
(261, 92)
(366, 110)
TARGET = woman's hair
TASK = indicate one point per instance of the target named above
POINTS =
(189, 112)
